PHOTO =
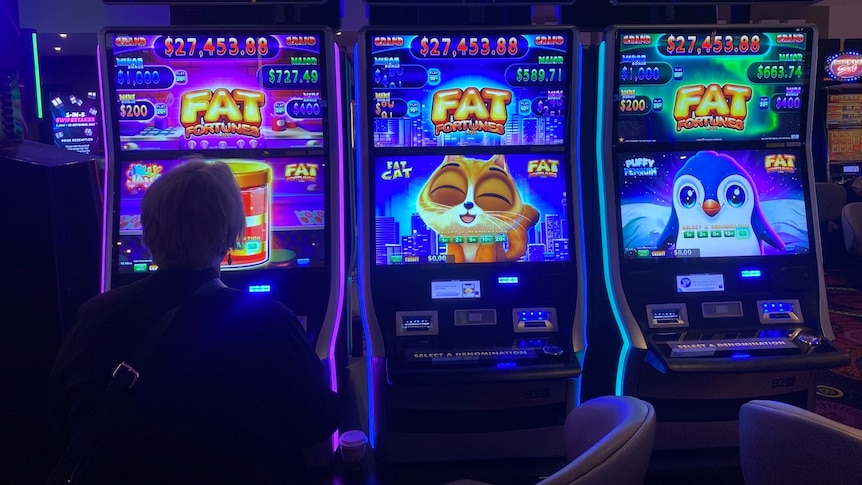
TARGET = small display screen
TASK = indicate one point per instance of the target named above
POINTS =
(696, 283)
(461, 89)
(284, 205)
(689, 85)
(455, 289)
(483, 208)
(227, 90)
(704, 204)
(77, 122)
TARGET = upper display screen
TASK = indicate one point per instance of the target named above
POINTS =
(224, 90)
(685, 85)
(701, 2)
(469, 2)
(463, 89)
(707, 204)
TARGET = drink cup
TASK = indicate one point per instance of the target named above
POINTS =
(353, 445)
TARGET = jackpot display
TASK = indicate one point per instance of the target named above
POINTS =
(456, 90)
(284, 206)
(692, 85)
(482, 208)
(723, 203)
(217, 91)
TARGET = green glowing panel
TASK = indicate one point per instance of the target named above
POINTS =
(730, 84)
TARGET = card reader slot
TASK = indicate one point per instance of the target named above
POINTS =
(416, 323)
(667, 315)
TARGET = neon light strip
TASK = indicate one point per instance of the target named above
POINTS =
(106, 201)
(576, 43)
(37, 74)
(336, 326)
(360, 254)
(603, 211)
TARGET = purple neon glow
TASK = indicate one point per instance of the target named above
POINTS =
(107, 181)
(339, 172)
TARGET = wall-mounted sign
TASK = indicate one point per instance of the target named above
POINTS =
(76, 122)
(844, 66)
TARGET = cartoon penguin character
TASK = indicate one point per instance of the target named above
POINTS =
(711, 191)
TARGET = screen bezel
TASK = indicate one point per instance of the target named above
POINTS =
(115, 156)
(608, 148)
(565, 149)
(682, 30)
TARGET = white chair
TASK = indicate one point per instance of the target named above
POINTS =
(851, 222)
(831, 198)
(783, 444)
(608, 441)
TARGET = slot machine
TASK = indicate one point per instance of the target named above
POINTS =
(841, 96)
(264, 101)
(711, 257)
(470, 266)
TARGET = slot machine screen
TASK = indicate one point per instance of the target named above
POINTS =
(480, 208)
(706, 204)
(456, 90)
(469, 137)
(217, 90)
(284, 204)
(716, 85)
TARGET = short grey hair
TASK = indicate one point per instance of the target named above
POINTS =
(192, 215)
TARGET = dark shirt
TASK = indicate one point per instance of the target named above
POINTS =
(231, 393)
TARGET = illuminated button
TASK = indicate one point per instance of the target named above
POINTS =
(555, 350)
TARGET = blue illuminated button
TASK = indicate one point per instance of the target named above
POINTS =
(552, 350)
(413, 108)
(750, 273)
(433, 76)
(303, 262)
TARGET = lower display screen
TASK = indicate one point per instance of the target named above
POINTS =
(705, 204)
(284, 200)
(440, 209)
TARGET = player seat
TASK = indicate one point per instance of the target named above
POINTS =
(608, 439)
(851, 220)
(781, 443)
(831, 198)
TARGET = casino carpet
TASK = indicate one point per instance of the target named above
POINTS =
(839, 391)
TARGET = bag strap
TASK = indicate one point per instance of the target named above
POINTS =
(123, 378)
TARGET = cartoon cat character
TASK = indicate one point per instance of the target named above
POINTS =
(467, 196)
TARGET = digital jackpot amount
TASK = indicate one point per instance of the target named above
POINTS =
(702, 85)
(454, 89)
(219, 90)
